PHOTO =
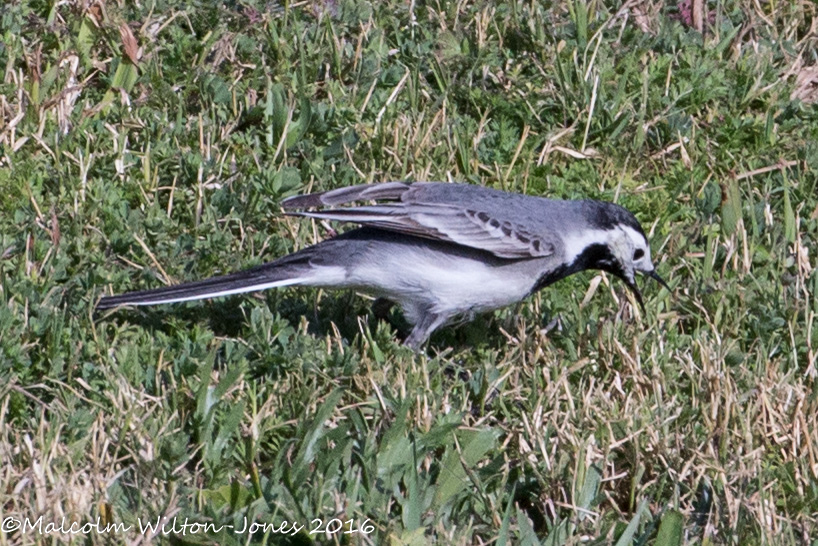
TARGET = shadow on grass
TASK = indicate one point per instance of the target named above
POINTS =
(230, 317)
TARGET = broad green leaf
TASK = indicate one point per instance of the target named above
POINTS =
(416, 537)
(503, 534)
(630, 531)
(730, 206)
(558, 535)
(314, 433)
(526, 535)
(670, 530)
(589, 491)
(412, 505)
(228, 428)
(234, 495)
(454, 478)
(125, 75)
(124, 78)
(85, 39)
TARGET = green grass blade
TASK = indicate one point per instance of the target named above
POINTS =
(671, 529)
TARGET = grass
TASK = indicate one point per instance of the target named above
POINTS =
(151, 142)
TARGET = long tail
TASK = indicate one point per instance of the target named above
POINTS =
(287, 271)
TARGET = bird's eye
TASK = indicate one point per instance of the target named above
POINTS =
(637, 255)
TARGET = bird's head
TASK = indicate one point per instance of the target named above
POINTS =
(629, 253)
(617, 244)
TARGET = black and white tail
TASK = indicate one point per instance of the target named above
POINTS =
(284, 272)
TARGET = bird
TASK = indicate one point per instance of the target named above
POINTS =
(441, 251)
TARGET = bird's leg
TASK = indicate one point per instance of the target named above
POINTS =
(428, 323)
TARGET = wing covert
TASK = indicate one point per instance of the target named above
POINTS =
(413, 211)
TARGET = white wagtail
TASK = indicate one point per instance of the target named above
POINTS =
(440, 251)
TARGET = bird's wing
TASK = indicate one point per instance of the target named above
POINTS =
(466, 219)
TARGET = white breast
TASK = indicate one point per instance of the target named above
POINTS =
(442, 283)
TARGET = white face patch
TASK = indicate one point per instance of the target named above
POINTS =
(628, 247)
(576, 243)
(639, 251)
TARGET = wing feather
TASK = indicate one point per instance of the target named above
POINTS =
(469, 224)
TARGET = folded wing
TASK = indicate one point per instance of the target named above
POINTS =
(469, 220)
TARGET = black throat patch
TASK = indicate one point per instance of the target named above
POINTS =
(596, 256)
